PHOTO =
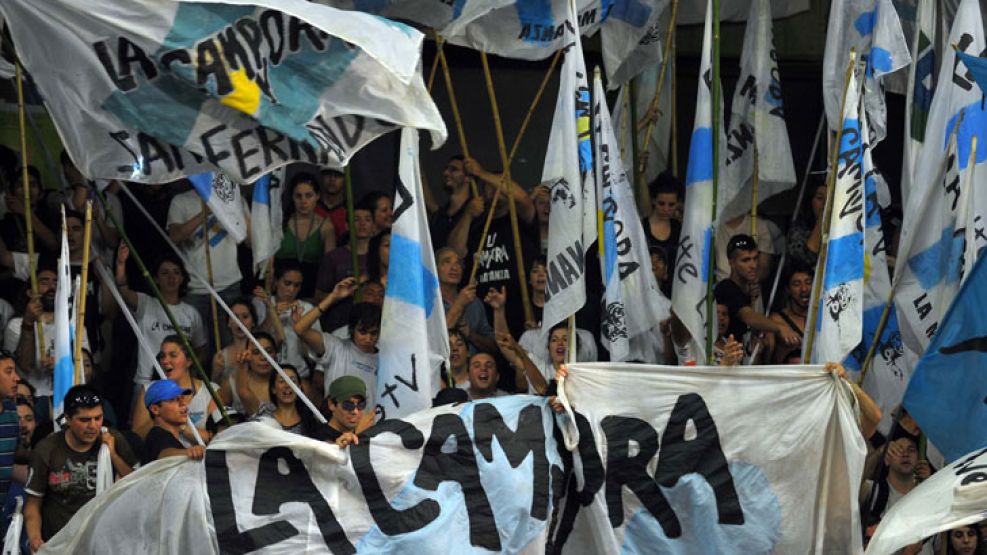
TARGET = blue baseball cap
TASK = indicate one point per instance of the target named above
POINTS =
(163, 390)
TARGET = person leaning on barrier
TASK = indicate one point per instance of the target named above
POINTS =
(168, 404)
(347, 401)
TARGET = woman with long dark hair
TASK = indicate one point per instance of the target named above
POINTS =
(286, 408)
(307, 235)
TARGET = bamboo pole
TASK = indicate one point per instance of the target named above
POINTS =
(810, 322)
(80, 326)
(135, 256)
(675, 115)
(711, 258)
(508, 184)
(460, 132)
(510, 158)
(209, 274)
(28, 212)
(351, 222)
(640, 188)
(656, 99)
(755, 182)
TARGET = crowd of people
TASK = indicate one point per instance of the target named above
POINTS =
(319, 316)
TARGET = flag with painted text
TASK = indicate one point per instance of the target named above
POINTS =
(839, 308)
(165, 88)
(568, 174)
(632, 303)
(918, 96)
(414, 341)
(658, 143)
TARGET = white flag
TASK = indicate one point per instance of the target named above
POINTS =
(414, 340)
(626, 51)
(691, 13)
(872, 29)
(165, 89)
(658, 142)
(64, 371)
(692, 263)
(568, 173)
(632, 304)
(839, 309)
(265, 218)
(929, 266)
(222, 196)
(918, 96)
(757, 124)
(952, 497)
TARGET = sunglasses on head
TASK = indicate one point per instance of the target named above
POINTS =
(84, 400)
(349, 405)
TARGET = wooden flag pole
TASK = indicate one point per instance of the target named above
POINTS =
(28, 212)
(653, 112)
(675, 116)
(80, 326)
(351, 222)
(212, 300)
(711, 258)
(460, 132)
(508, 184)
(834, 160)
(755, 182)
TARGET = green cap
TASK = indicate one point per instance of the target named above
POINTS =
(344, 387)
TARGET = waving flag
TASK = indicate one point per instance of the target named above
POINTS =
(918, 96)
(222, 196)
(839, 310)
(568, 173)
(692, 271)
(64, 377)
(658, 142)
(414, 340)
(757, 125)
(933, 236)
(887, 377)
(162, 89)
(625, 263)
(265, 218)
(872, 29)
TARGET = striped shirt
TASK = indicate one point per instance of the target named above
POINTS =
(9, 436)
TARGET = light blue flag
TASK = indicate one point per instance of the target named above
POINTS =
(64, 377)
(978, 68)
(414, 340)
(241, 86)
(266, 231)
(947, 394)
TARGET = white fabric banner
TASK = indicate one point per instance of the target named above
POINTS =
(434, 482)
(692, 262)
(162, 89)
(928, 268)
(775, 470)
(625, 264)
(918, 90)
(954, 496)
(691, 13)
(568, 173)
(839, 308)
(757, 123)
(414, 340)
(658, 143)
(872, 29)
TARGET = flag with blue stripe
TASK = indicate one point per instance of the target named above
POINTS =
(222, 196)
(266, 218)
(414, 340)
(946, 394)
(692, 271)
(944, 203)
(64, 374)
(872, 29)
(839, 308)
(918, 94)
(625, 263)
(238, 86)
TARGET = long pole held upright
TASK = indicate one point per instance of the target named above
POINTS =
(209, 275)
(80, 326)
(834, 160)
(508, 184)
(351, 222)
(460, 132)
(28, 213)
(711, 259)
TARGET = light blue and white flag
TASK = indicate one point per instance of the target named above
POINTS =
(887, 377)
(692, 262)
(568, 173)
(919, 88)
(633, 304)
(872, 29)
(414, 340)
(222, 196)
(64, 376)
(163, 89)
(839, 310)
(265, 218)
(535, 29)
(933, 236)
(757, 123)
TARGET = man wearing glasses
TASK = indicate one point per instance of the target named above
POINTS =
(64, 465)
(347, 403)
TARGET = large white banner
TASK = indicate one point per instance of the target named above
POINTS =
(952, 497)
(153, 90)
(697, 467)
(473, 477)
